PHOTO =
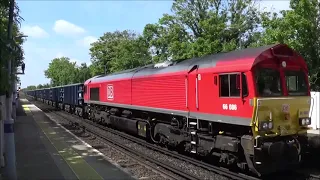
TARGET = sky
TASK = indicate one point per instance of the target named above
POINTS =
(67, 28)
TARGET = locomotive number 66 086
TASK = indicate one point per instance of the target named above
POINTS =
(232, 107)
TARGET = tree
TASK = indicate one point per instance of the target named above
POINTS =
(83, 73)
(299, 28)
(32, 87)
(61, 71)
(167, 39)
(201, 27)
(40, 86)
(117, 51)
(5, 52)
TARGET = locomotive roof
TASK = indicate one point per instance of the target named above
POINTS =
(248, 54)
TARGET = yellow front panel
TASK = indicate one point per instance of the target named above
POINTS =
(284, 112)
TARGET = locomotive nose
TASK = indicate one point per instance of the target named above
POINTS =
(288, 116)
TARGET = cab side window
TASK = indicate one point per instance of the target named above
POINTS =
(224, 85)
(229, 86)
(244, 86)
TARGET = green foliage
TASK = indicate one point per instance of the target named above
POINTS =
(5, 52)
(62, 71)
(83, 73)
(40, 86)
(118, 51)
(202, 27)
(31, 87)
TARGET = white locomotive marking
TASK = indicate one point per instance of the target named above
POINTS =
(110, 92)
(232, 107)
(285, 108)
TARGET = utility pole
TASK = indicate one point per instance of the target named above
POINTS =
(10, 168)
(2, 110)
(14, 90)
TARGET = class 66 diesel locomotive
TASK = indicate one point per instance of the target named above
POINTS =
(247, 109)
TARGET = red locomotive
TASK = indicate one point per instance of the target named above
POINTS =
(234, 106)
(248, 108)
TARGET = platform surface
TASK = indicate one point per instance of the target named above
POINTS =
(45, 150)
(314, 131)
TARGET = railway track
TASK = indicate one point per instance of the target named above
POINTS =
(298, 175)
(176, 172)
(147, 163)
(217, 170)
(221, 171)
(154, 164)
(144, 160)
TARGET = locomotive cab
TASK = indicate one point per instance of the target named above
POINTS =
(281, 108)
(283, 101)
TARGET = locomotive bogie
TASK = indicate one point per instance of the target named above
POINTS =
(61, 106)
(79, 111)
(67, 108)
(271, 154)
(176, 135)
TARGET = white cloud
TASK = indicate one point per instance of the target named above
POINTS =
(86, 41)
(34, 31)
(66, 28)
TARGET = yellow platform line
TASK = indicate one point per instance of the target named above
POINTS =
(78, 165)
(25, 108)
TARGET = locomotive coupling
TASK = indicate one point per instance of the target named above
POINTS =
(282, 149)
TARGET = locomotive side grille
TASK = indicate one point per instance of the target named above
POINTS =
(94, 94)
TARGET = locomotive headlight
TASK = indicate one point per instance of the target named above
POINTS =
(304, 121)
(308, 121)
(265, 125)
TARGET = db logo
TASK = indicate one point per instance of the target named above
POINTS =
(110, 91)
(286, 108)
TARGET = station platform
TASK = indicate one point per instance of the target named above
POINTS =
(45, 150)
(314, 132)
(314, 138)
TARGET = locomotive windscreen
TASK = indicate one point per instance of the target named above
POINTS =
(94, 94)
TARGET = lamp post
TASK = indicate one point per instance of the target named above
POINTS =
(10, 166)
(14, 86)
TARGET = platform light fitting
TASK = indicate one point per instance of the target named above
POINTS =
(23, 66)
